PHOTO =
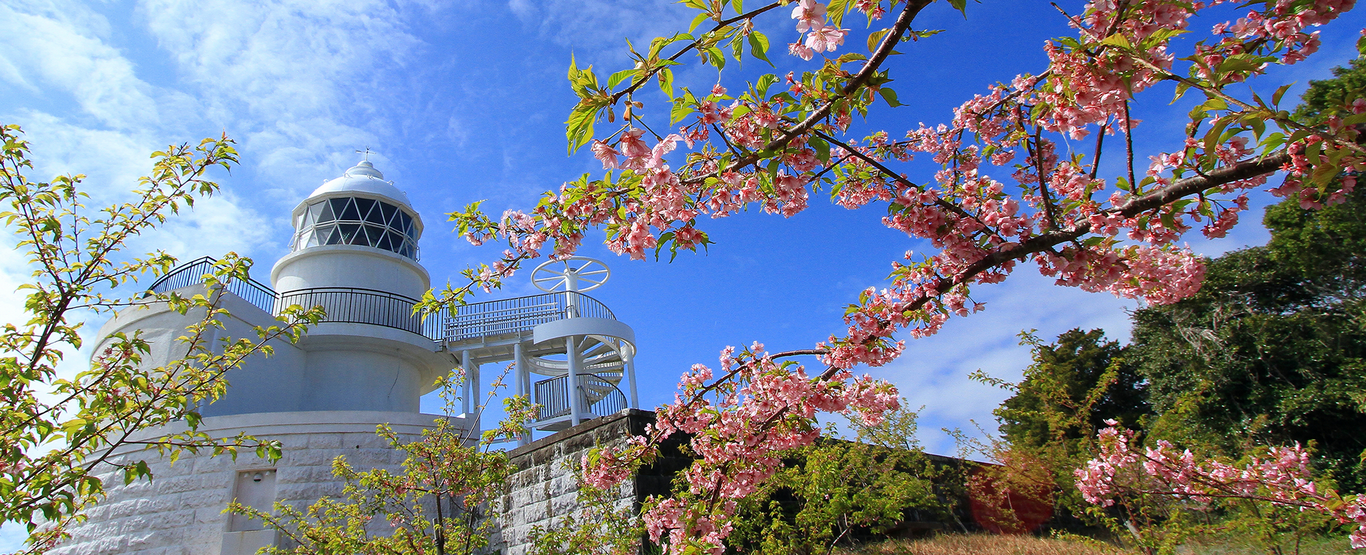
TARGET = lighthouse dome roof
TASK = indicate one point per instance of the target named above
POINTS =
(363, 178)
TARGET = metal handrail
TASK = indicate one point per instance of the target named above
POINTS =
(552, 397)
(370, 306)
(521, 314)
(357, 305)
(193, 272)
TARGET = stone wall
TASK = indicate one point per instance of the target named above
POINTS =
(544, 488)
(180, 512)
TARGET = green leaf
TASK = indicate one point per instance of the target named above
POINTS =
(738, 5)
(1276, 98)
(716, 57)
(1162, 35)
(680, 110)
(1273, 141)
(70, 426)
(616, 78)
(875, 38)
(758, 46)
(579, 128)
(697, 21)
(765, 81)
(836, 10)
(1119, 41)
(1214, 103)
(890, 96)
(821, 147)
(666, 82)
(961, 6)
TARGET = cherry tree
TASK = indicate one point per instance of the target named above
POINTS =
(1124, 474)
(771, 142)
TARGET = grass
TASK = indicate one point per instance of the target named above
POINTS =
(987, 544)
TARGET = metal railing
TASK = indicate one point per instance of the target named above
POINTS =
(193, 272)
(370, 306)
(357, 305)
(552, 397)
(520, 314)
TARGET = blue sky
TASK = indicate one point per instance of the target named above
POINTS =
(465, 100)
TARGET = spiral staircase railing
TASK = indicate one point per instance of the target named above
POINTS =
(552, 397)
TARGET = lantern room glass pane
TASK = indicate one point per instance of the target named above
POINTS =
(337, 205)
(382, 241)
(387, 212)
(349, 213)
(363, 207)
(315, 211)
(334, 237)
(349, 232)
(368, 222)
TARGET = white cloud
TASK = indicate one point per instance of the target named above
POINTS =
(594, 25)
(62, 53)
(934, 371)
(297, 81)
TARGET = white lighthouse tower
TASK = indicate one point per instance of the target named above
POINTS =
(354, 252)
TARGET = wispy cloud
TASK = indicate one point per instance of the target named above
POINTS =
(934, 371)
(298, 81)
(598, 25)
(59, 51)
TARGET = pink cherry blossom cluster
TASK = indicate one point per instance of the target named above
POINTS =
(820, 35)
(765, 150)
(1280, 477)
(732, 460)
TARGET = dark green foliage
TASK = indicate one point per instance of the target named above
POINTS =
(1270, 351)
(838, 492)
(1347, 84)
(1049, 426)
(1072, 388)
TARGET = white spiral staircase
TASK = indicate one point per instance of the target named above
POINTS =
(570, 339)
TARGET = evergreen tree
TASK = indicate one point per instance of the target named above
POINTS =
(1271, 349)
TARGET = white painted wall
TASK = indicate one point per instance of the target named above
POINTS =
(350, 266)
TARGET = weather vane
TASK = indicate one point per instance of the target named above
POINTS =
(365, 153)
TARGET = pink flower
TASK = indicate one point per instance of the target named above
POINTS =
(606, 154)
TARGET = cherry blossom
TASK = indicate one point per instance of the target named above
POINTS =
(1013, 189)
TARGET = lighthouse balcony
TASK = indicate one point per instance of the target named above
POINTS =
(485, 323)
(536, 330)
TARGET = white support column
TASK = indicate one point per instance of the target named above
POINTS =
(523, 383)
(572, 385)
(465, 387)
(629, 358)
(477, 400)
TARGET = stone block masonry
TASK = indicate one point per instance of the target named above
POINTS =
(544, 487)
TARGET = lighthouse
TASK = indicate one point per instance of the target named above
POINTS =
(354, 252)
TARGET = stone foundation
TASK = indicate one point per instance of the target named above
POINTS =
(180, 511)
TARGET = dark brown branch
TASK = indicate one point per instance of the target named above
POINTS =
(1131, 208)
(692, 45)
(1129, 146)
(1100, 142)
(903, 23)
(1045, 198)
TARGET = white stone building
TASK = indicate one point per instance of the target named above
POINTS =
(354, 252)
